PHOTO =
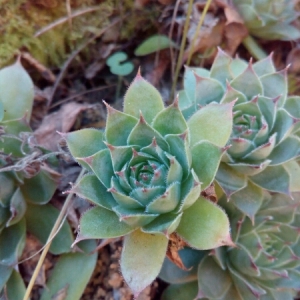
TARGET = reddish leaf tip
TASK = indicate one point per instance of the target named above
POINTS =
(183, 136)
(142, 119)
(109, 146)
(154, 142)
(254, 99)
(176, 101)
(134, 152)
(87, 160)
(228, 242)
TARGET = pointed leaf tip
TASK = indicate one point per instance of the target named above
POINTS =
(228, 242)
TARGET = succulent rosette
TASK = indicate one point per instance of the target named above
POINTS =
(264, 145)
(146, 173)
(269, 20)
(26, 184)
(265, 263)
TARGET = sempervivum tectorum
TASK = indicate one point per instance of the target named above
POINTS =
(263, 144)
(264, 264)
(146, 174)
(269, 20)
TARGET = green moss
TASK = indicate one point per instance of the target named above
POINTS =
(21, 19)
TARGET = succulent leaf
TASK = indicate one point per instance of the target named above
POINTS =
(204, 225)
(71, 273)
(100, 223)
(142, 97)
(16, 92)
(142, 258)
(209, 118)
(45, 216)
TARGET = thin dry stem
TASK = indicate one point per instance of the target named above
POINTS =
(198, 30)
(182, 46)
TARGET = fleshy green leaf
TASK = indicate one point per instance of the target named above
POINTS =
(15, 286)
(204, 225)
(142, 97)
(274, 85)
(165, 223)
(5, 273)
(71, 274)
(230, 180)
(142, 134)
(134, 217)
(17, 207)
(207, 124)
(264, 66)
(17, 92)
(142, 258)
(181, 291)
(154, 43)
(205, 162)
(249, 169)
(212, 280)
(275, 179)
(208, 90)
(285, 151)
(91, 189)
(190, 191)
(220, 68)
(7, 188)
(248, 83)
(179, 147)
(293, 168)
(39, 189)
(40, 220)
(85, 142)
(101, 164)
(100, 223)
(167, 202)
(283, 125)
(248, 200)
(232, 94)
(170, 121)
(12, 241)
(267, 106)
(118, 126)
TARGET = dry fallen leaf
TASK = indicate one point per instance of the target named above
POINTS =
(62, 121)
(235, 30)
(176, 244)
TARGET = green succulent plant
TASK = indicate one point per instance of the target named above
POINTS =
(265, 263)
(264, 145)
(26, 184)
(146, 173)
(269, 20)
